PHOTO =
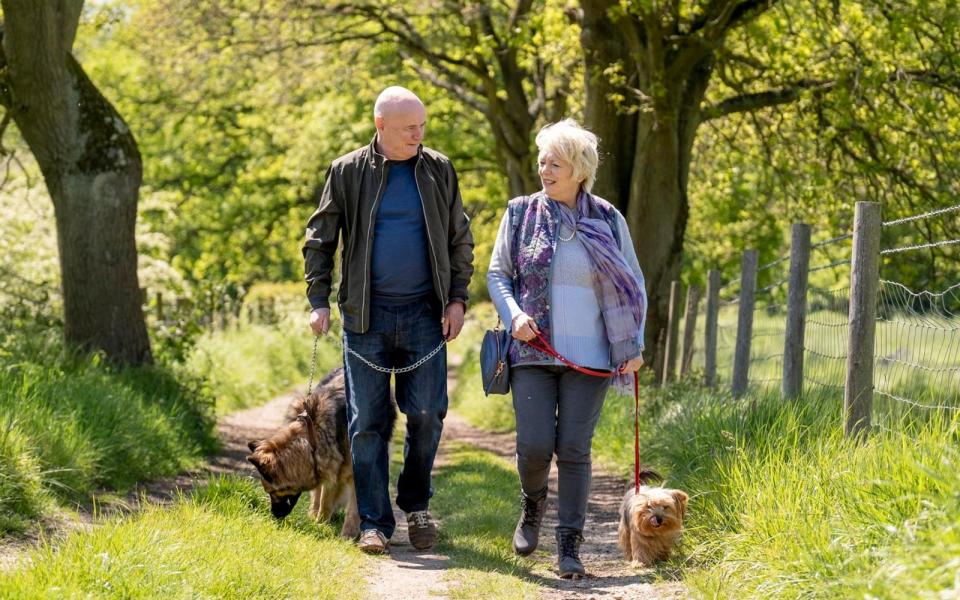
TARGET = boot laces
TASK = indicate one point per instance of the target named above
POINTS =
(531, 511)
(570, 545)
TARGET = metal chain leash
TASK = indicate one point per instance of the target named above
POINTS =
(395, 370)
(313, 364)
(363, 359)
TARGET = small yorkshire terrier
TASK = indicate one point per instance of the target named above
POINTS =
(651, 521)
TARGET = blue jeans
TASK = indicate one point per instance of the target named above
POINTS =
(398, 336)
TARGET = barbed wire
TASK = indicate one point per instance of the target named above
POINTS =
(833, 240)
(836, 263)
(933, 213)
(939, 244)
(916, 404)
(774, 263)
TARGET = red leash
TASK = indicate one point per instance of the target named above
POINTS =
(544, 346)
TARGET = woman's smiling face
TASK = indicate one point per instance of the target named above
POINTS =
(556, 175)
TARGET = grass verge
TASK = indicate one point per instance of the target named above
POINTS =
(220, 543)
(70, 424)
(783, 506)
(492, 413)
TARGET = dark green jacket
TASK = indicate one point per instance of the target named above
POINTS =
(348, 207)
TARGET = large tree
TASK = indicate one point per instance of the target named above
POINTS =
(656, 70)
(92, 169)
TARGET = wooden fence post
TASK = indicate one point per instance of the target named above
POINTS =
(673, 329)
(689, 328)
(792, 385)
(710, 333)
(748, 288)
(864, 282)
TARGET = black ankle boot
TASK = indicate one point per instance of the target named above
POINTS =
(568, 554)
(527, 535)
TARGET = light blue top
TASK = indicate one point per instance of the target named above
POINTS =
(576, 321)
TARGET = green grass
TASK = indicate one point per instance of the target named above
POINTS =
(221, 543)
(70, 424)
(250, 364)
(476, 499)
(783, 506)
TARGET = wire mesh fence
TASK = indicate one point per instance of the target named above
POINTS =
(915, 334)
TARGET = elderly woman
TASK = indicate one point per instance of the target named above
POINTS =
(564, 269)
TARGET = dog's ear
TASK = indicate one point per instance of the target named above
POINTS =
(680, 497)
(253, 446)
(264, 473)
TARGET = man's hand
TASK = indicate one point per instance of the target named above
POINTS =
(524, 328)
(629, 366)
(452, 321)
(320, 321)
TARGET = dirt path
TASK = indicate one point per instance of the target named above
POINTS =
(608, 576)
(406, 573)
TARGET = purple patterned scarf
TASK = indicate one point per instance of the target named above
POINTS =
(617, 287)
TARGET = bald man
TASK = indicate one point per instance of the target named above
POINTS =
(407, 257)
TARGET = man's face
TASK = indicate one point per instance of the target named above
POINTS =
(401, 130)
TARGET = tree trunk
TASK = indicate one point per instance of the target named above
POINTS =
(93, 171)
(604, 45)
(512, 128)
(646, 161)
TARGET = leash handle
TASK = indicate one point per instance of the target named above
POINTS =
(543, 345)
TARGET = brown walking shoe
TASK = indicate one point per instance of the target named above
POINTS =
(372, 541)
(421, 530)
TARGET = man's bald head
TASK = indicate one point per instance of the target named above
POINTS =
(395, 98)
(401, 119)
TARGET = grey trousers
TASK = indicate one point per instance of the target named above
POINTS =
(557, 411)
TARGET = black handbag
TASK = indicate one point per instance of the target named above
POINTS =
(494, 360)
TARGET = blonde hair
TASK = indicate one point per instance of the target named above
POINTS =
(574, 144)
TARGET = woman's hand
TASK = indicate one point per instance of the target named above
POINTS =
(524, 328)
(629, 366)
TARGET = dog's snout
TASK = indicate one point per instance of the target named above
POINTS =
(656, 520)
(281, 506)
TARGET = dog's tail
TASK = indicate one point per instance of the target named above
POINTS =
(648, 475)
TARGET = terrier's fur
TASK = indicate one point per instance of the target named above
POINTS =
(312, 452)
(651, 521)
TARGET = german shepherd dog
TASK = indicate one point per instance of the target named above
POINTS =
(312, 452)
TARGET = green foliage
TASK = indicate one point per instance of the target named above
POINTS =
(71, 425)
(213, 545)
(249, 364)
(237, 129)
(875, 119)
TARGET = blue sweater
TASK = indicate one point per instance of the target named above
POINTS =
(400, 265)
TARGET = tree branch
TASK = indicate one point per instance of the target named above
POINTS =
(758, 100)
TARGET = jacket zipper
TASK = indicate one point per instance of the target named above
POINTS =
(426, 225)
(366, 277)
